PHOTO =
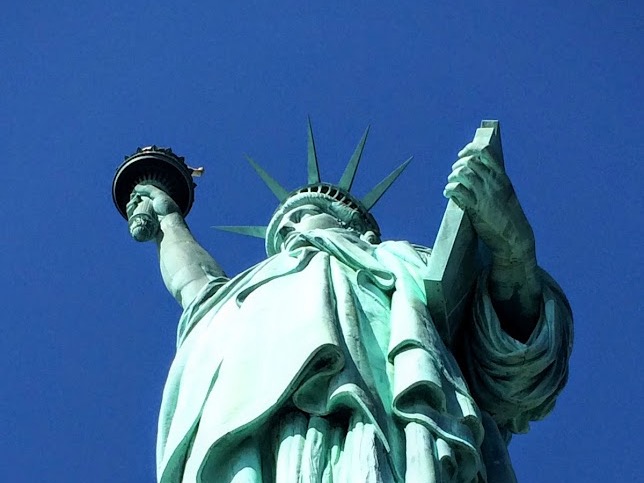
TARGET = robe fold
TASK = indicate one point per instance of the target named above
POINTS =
(322, 364)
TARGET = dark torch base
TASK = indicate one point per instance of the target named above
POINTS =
(159, 167)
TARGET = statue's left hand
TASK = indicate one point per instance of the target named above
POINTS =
(479, 185)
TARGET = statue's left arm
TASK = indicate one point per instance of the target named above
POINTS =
(516, 354)
(478, 184)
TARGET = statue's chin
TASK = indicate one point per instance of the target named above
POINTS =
(294, 239)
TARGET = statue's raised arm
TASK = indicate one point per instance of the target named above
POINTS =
(185, 266)
(153, 189)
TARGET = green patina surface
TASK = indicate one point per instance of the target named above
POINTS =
(345, 358)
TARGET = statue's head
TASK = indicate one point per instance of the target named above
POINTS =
(319, 204)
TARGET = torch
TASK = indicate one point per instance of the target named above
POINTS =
(159, 167)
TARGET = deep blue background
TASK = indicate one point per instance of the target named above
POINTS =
(87, 329)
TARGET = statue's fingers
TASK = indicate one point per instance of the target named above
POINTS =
(490, 160)
(461, 162)
(132, 204)
(460, 202)
(467, 177)
(474, 164)
(461, 195)
(471, 149)
(485, 153)
(147, 190)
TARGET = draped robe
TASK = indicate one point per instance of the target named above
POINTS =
(322, 364)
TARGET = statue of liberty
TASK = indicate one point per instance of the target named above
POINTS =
(327, 362)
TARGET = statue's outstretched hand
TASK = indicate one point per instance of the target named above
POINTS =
(479, 185)
(147, 208)
(162, 204)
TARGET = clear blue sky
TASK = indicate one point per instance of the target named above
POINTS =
(87, 328)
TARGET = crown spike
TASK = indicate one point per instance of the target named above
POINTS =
(350, 171)
(254, 231)
(381, 188)
(273, 185)
(314, 168)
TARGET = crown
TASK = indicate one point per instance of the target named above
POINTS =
(316, 190)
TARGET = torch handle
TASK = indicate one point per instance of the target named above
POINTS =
(143, 223)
